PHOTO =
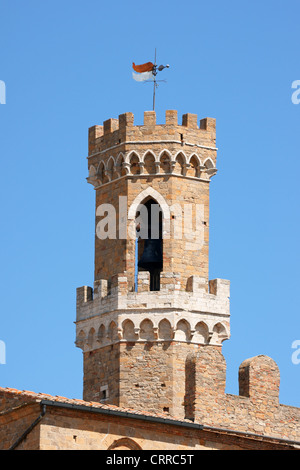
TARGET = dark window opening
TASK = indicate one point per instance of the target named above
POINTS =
(150, 242)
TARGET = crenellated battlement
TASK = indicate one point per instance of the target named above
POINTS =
(116, 133)
(119, 148)
(198, 315)
(115, 293)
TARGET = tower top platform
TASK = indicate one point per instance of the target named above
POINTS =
(116, 133)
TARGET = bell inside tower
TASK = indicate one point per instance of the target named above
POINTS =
(150, 242)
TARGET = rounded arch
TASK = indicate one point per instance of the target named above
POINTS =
(125, 443)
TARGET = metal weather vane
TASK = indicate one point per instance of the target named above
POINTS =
(147, 73)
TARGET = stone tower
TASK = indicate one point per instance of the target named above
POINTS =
(139, 331)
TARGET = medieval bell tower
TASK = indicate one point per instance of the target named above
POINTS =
(152, 306)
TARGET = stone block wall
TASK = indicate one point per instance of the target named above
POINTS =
(256, 409)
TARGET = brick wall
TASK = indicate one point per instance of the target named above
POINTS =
(14, 422)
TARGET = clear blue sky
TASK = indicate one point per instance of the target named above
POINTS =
(67, 66)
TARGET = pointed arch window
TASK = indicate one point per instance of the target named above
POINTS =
(149, 252)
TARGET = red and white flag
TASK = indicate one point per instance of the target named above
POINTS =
(144, 72)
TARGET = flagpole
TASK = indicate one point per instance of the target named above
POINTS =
(154, 84)
(147, 73)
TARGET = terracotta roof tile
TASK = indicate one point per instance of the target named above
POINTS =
(37, 397)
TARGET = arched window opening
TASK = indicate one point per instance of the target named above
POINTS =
(150, 243)
(135, 165)
(101, 174)
(149, 161)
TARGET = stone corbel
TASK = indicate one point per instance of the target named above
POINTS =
(118, 170)
(142, 165)
(198, 171)
(185, 167)
(80, 342)
(127, 167)
(157, 167)
(172, 165)
(108, 173)
(210, 335)
(120, 333)
(211, 172)
(93, 180)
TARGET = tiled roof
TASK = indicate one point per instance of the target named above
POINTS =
(30, 396)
